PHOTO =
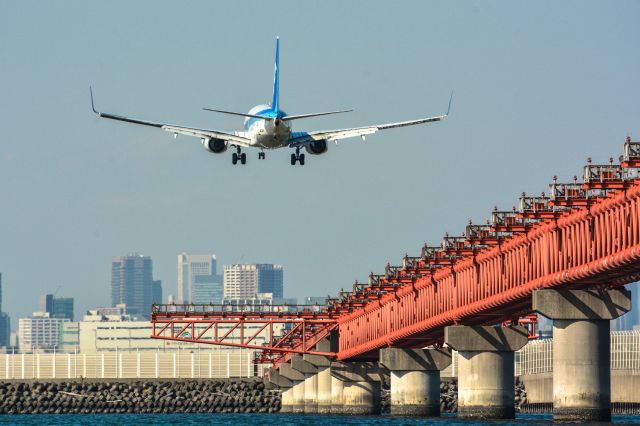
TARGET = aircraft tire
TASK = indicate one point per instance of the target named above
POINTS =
(301, 159)
(243, 158)
(234, 158)
(293, 159)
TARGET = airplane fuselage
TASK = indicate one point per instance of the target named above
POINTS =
(267, 134)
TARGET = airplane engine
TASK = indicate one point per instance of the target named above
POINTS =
(317, 147)
(217, 146)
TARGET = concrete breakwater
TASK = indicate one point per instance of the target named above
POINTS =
(175, 396)
(170, 396)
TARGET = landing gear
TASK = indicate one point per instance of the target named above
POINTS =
(297, 157)
(262, 156)
(239, 156)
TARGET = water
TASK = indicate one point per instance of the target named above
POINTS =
(264, 420)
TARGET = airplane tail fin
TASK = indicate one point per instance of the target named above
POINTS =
(274, 101)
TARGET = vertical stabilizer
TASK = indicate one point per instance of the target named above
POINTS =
(274, 101)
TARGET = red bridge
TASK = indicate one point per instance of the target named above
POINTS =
(582, 234)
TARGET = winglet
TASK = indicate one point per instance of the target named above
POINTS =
(92, 106)
(449, 108)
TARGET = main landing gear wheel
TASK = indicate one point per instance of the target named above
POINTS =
(262, 156)
(297, 158)
(239, 156)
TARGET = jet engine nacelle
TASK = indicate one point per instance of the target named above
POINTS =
(216, 146)
(317, 147)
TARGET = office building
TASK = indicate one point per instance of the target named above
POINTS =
(156, 291)
(132, 284)
(207, 290)
(5, 323)
(195, 269)
(57, 307)
(5, 330)
(97, 332)
(39, 331)
(245, 281)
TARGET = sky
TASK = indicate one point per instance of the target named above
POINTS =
(539, 87)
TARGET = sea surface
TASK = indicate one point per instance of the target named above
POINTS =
(266, 419)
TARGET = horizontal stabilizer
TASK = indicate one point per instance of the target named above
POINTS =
(316, 114)
(239, 113)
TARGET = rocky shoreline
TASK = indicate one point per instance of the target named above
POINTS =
(183, 396)
(170, 396)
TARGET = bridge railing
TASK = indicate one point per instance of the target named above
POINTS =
(229, 309)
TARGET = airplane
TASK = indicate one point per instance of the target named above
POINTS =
(268, 127)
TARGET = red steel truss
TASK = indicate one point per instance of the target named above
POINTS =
(582, 234)
(225, 325)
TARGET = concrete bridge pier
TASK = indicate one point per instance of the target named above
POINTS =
(286, 385)
(355, 388)
(309, 384)
(415, 379)
(295, 399)
(323, 375)
(581, 349)
(486, 379)
(337, 390)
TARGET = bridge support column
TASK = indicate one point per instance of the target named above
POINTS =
(323, 368)
(275, 379)
(309, 385)
(296, 398)
(415, 379)
(360, 383)
(486, 380)
(324, 390)
(286, 398)
(581, 349)
(337, 390)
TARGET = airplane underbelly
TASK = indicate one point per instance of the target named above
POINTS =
(271, 141)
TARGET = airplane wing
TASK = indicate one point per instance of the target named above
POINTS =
(189, 131)
(304, 138)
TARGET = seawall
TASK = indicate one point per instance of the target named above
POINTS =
(135, 396)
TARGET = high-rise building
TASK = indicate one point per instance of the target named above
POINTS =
(208, 290)
(5, 323)
(57, 307)
(5, 329)
(39, 331)
(132, 284)
(156, 291)
(245, 281)
(192, 269)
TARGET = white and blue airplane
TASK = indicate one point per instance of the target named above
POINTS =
(268, 127)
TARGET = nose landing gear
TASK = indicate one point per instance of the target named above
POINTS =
(297, 158)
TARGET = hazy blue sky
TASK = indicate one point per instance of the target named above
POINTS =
(539, 86)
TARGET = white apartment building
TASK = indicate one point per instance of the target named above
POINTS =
(245, 281)
(99, 332)
(39, 332)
